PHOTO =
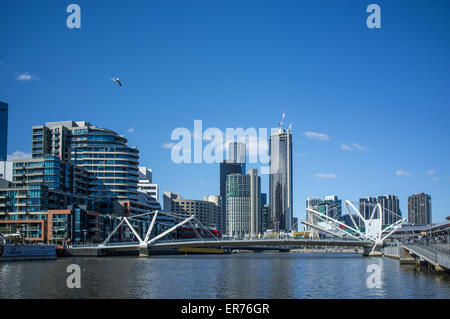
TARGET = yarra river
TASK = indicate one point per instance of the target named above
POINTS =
(257, 275)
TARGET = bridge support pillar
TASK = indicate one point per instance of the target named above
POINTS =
(143, 250)
(438, 267)
(371, 251)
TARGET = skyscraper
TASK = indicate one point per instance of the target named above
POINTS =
(255, 202)
(3, 131)
(237, 153)
(280, 180)
(239, 206)
(226, 168)
(419, 209)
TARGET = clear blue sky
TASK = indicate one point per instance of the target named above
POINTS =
(240, 64)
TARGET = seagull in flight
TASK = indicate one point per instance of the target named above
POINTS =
(117, 80)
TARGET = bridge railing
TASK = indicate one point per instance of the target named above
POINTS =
(438, 253)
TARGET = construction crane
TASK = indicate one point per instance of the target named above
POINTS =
(280, 127)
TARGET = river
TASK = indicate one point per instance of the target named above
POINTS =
(257, 275)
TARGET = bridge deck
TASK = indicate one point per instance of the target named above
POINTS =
(233, 243)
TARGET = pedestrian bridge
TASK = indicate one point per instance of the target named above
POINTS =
(346, 239)
(437, 255)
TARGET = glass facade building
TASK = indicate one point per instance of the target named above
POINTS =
(227, 168)
(238, 216)
(244, 211)
(280, 181)
(112, 165)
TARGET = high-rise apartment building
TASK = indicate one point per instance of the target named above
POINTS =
(391, 208)
(389, 204)
(419, 209)
(102, 152)
(3, 131)
(366, 206)
(280, 180)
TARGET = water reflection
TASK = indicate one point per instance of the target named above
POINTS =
(259, 275)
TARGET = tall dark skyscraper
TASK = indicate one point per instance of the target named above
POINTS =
(3, 131)
(280, 180)
(235, 164)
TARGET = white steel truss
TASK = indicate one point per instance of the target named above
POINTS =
(147, 241)
(373, 227)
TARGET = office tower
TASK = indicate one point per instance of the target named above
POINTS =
(147, 191)
(227, 168)
(239, 206)
(391, 208)
(102, 152)
(205, 211)
(280, 180)
(265, 217)
(3, 131)
(237, 153)
(6, 170)
(366, 206)
(255, 202)
(419, 209)
(244, 205)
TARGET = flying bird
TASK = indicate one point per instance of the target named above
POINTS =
(117, 80)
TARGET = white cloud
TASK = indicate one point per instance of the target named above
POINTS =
(431, 172)
(400, 172)
(24, 77)
(346, 147)
(359, 147)
(435, 179)
(317, 136)
(17, 155)
(130, 130)
(168, 145)
(325, 175)
(355, 146)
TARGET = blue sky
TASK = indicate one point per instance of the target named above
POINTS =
(241, 64)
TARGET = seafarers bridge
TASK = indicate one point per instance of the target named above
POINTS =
(370, 239)
(136, 248)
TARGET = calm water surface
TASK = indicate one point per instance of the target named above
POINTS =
(265, 275)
